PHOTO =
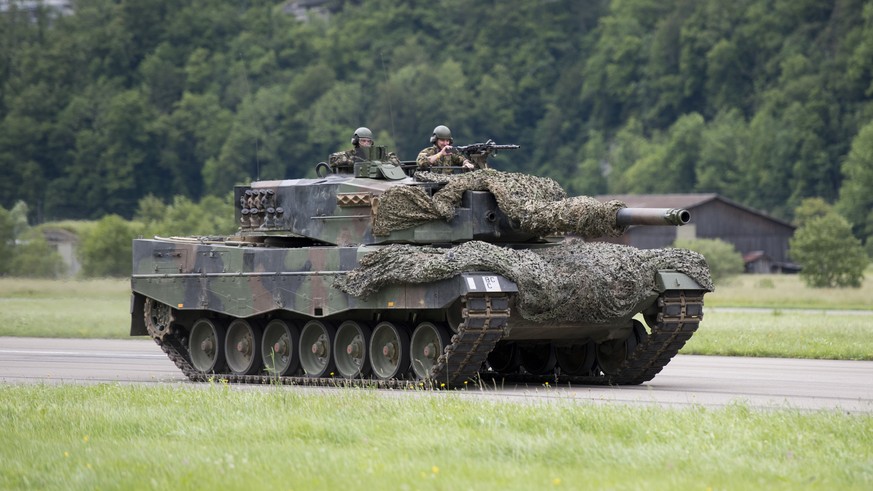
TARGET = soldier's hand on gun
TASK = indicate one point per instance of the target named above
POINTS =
(469, 165)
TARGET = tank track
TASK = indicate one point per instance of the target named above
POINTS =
(484, 321)
(679, 315)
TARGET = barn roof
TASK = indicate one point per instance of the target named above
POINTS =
(688, 201)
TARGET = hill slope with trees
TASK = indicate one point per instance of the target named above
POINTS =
(764, 101)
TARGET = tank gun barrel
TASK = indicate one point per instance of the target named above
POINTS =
(652, 216)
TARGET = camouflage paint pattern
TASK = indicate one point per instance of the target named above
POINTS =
(244, 281)
(358, 245)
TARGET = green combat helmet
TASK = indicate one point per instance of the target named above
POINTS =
(361, 132)
(441, 133)
(377, 278)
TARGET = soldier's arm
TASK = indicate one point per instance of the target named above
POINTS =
(460, 160)
(392, 158)
(337, 159)
(422, 161)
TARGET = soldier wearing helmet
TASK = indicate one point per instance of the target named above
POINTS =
(441, 154)
(362, 138)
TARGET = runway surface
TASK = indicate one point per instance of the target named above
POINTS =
(710, 381)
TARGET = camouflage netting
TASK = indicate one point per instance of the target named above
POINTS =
(574, 281)
(538, 205)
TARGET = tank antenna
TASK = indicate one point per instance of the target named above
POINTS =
(248, 88)
(390, 112)
(257, 161)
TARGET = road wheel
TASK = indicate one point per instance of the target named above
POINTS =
(428, 342)
(576, 359)
(242, 347)
(389, 351)
(315, 348)
(350, 349)
(206, 346)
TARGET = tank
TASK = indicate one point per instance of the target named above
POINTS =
(380, 275)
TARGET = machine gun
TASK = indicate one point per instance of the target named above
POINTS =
(483, 149)
(478, 153)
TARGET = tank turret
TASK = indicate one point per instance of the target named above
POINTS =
(377, 273)
(379, 204)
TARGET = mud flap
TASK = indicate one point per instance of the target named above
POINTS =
(137, 321)
(485, 283)
(674, 280)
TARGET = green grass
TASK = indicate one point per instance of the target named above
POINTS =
(219, 437)
(789, 292)
(784, 334)
(216, 437)
(74, 308)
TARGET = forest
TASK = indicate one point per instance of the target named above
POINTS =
(767, 102)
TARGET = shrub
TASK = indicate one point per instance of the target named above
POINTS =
(722, 257)
(35, 258)
(106, 250)
(828, 253)
(211, 216)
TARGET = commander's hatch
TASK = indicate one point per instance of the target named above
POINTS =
(374, 164)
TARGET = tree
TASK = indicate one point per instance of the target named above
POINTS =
(335, 115)
(670, 167)
(7, 241)
(211, 216)
(13, 225)
(628, 146)
(770, 152)
(856, 198)
(106, 250)
(18, 213)
(722, 258)
(830, 256)
(588, 178)
(255, 144)
(189, 137)
(446, 102)
(810, 209)
(150, 209)
(723, 150)
(126, 99)
(35, 258)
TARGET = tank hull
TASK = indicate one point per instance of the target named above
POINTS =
(254, 281)
(179, 285)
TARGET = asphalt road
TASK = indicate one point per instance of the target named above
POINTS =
(710, 381)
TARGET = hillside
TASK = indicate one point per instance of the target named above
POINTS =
(766, 102)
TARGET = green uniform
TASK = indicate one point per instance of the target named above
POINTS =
(452, 159)
(348, 158)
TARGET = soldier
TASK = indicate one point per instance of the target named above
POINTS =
(361, 139)
(440, 154)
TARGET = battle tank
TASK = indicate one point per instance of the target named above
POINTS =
(378, 275)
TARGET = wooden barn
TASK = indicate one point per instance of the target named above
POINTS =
(760, 238)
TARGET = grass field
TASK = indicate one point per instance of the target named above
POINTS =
(788, 292)
(215, 436)
(80, 309)
(218, 437)
(784, 334)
